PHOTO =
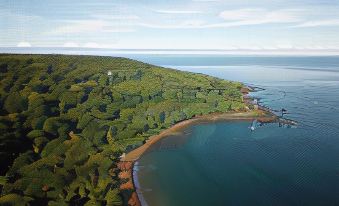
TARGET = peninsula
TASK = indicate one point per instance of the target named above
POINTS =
(66, 120)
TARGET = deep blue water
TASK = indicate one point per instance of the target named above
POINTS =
(226, 164)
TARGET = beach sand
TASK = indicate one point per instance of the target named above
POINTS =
(128, 161)
(260, 115)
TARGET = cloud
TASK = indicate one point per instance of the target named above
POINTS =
(117, 17)
(188, 24)
(17, 16)
(92, 45)
(70, 44)
(24, 44)
(102, 45)
(90, 26)
(179, 11)
(80, 27)
(328, 22)
(206, 0)
(122, 30)
(260, 16)
(234, 18)
(228, 18)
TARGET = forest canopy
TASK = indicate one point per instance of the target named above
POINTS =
(65, 120)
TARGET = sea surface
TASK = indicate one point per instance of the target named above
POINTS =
(225, 163)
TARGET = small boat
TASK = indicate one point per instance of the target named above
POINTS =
(254, 124)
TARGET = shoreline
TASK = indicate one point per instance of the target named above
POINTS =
(257, 112)
(129, 162)
(131, 159)
(261, 115)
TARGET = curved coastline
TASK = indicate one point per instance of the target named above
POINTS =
(261, 115)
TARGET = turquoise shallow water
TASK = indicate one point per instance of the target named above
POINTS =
(226, 164)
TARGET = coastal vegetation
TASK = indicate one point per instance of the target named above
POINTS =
(66, 120)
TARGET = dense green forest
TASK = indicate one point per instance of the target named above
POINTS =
(64, 122)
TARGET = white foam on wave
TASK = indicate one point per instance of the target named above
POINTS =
(137, 184)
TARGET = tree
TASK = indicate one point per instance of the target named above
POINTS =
(110, 134)
(15, 200)
(51, 125)
(15, 103)
(77, 154)
(45, 97)
(39, 143)
(113, 198)
(162, 117)
(84, 120)
(3, 68)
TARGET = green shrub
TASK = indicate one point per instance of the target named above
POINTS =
(15, 103)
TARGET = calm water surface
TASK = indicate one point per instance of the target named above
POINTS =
(225, 163)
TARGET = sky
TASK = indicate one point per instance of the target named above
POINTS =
(171, 24)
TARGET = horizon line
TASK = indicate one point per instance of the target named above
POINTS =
(236, 51)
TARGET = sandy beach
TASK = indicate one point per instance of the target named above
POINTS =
(260, 115)
(128, 161)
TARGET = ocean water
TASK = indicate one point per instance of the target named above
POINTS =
(224, 163)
